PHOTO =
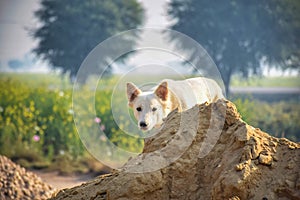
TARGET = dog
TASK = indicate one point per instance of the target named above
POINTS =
(151, 107)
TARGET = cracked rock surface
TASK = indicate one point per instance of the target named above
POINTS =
(206, 152)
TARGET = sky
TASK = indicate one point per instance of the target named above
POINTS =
(17, 18)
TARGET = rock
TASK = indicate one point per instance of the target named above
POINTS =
(265, 159)
(238, 162)
(234, 198)
(17, 183)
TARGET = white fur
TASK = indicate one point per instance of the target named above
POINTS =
(151, 107)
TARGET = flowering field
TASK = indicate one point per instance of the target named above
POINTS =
(37, 123)
(37, 119)
(280, 119)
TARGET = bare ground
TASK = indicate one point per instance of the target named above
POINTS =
(60, 182)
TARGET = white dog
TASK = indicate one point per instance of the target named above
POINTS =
(151, 107)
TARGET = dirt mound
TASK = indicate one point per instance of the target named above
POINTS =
(242, 163)
(17, 183)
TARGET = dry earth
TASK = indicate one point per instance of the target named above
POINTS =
(58, 181)
(17, 183)
(238, 162)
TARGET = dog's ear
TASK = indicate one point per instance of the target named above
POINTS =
(132, 92)
(162, 91)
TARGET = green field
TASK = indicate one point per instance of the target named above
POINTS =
(37, 123)
(266, 82)
(52, 79)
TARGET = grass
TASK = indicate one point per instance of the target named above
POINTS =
(58, 81)
(51, 80)
(256, 81)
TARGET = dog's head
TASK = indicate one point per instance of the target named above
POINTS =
(149, 107)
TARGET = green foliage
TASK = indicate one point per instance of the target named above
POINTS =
(240, 34)
(280, 119)
(36, 119)
(72, 28)
(103, 109)
(37, 124)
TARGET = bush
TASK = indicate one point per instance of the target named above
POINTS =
(36, 123)
(36, 119)
(280, 119)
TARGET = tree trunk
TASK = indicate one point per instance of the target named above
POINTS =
(226, 76)
(227, 91)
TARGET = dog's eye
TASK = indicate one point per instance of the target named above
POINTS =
(154, 109)
(139, 109)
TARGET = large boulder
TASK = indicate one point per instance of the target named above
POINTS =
(207, 152)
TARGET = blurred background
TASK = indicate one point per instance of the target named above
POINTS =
(255, 45)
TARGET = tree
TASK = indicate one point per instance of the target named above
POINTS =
(72, 28)
(291, 22)
(239, 35)
(15, 64)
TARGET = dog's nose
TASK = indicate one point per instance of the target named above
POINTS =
(143, 124)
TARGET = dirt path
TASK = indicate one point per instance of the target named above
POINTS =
(60, 182)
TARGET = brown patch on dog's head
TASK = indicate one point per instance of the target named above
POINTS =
(162, 91)
(132, 92)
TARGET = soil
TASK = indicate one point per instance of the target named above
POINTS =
(17, 183)
(58, 181)
(188, 159)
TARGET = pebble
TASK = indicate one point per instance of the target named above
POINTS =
(239, 167)
(265, 159)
